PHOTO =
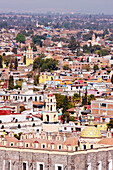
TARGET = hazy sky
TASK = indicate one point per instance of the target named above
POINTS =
(77, 6)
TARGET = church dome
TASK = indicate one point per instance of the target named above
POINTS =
(90, 132)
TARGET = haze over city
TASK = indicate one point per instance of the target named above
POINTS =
(81, 6)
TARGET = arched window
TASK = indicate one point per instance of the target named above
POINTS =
(54, 117)
(91, 146)
(84, 146)
(51, 107)
(47, 118)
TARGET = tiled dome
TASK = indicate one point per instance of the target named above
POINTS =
(90, 132)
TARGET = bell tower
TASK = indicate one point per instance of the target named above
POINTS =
(50, 115)
(29, 56)
(93, 37)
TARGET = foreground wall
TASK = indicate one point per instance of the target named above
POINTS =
(30, 159)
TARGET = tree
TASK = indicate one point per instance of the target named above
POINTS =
(87, 37)
(29, 75)
(36, 80)
(73, 44)
(103, 52)
(105, 32)
(18, 87)
(110, 124)
(90, 98)
(112, 79)
(1, 59)
(18, 136)
(22, 108)
(20, 38)
(11, 65)
(84, 98)
(95, 67)
(65, 104)
(37, 39)
(59, 100)
(16, 63)
(45, 65)
(66, 67)
(11, 83)
(76, 98)
(82, 60)
(70, 59)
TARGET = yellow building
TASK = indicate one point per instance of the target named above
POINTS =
(44, 77)
(29, 56)
(102, 126)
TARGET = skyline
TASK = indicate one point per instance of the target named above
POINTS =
(64, 6)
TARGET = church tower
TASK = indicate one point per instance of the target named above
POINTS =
(50, 115)
(93, 37)
(29, 56)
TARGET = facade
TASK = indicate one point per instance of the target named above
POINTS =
(29, 159)
(102, 107)
(44, 77)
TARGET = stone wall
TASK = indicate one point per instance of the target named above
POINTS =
(69, 160)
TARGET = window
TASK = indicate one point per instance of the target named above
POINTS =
(43, 146)
(109, 164)
(47, 118)
(84, 146)
(27, 145)
(99, 165)
(9, 165)
(89, 166)
(25, 166)
(3, 164)
(11, 144)
(58, 167)
(40, 166)
(76, 148)
(91, 146)
(60, 147)
(51, 107)
(103, 104)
